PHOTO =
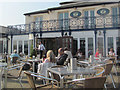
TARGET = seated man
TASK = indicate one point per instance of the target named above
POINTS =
(61, 57)
(14, 56)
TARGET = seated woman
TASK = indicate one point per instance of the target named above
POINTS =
(111, 52)
(48, 62)
(97, 54)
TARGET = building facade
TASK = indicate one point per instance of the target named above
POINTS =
(91, 24)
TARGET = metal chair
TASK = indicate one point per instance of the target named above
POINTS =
(18, 76)
(32, 84)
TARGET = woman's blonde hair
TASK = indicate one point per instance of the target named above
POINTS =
(51, 56)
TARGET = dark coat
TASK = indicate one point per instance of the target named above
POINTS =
(62, 59)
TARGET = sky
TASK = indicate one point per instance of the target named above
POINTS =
(11, 11)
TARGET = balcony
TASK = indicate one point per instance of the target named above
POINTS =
(73, 24)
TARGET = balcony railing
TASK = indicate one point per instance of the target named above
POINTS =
(81, 23)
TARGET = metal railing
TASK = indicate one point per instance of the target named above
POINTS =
(108, 21)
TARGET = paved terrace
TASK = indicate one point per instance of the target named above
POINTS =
(13, 83)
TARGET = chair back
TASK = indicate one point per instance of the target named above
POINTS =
(31, 82)
(30, 79)
(100, 71)
(14, 60)
(94, 82)
(108, 68)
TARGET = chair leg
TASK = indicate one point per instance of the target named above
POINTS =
(105, 86)
(20, 82)
(112, 81)
(115, 69)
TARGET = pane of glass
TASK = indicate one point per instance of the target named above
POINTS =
(110, 43)
(14, 45)
(1, 46)
(90, 46)
(100, 45)
(26, 47)
(118, 46)
(20, 46)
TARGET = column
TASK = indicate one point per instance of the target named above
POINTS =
(86, 47)
(114, 45)
(11, 43)
(29, 48)
(7, 43)
(22, 46)
(104, 32)
(78, 40)
(17, 46)
(95, 32)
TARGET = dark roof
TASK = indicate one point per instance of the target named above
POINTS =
(83, 4)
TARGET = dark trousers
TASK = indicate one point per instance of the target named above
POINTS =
(41, 53)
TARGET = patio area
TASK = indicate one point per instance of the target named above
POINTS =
(13, 83)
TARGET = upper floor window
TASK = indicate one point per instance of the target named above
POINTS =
(89, 19)
(38, 23)
(115, 16)
(63, 20)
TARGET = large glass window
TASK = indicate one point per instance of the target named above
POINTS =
(118, 46)
(63, 20)
(1, 46)
(26, 47)
(90, 46)
(110, 43)
(115, 16)
(20, 46)
(14, 45)
(4, 46)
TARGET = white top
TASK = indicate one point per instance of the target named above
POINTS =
(111, 53)
(41, 47)
(42, 67)
(69, 54)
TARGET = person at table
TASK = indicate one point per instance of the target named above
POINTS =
(14, 54)
(41, 48)
(48, 62)
(97, 54)
(61, 57)
(111, 52)
(66, 51)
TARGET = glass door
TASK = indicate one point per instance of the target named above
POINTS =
(82, 45)
(100, 45)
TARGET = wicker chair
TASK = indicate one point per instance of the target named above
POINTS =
(108, 68)
(32, 84)
(93, 82)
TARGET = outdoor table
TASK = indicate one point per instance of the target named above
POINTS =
(62, 71)
(3, 68)
(33, 62)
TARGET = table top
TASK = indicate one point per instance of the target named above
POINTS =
(34, 60)
(3, 64)
(66, 71)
